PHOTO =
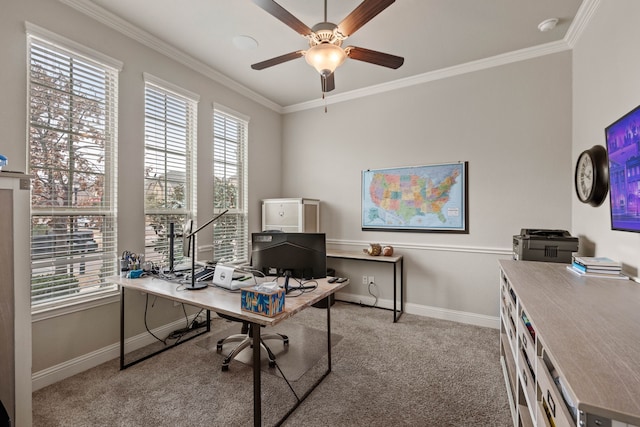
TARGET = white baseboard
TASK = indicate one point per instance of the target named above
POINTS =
(79, 364)
(426, 311)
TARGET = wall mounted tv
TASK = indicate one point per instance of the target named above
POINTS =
(623, 148)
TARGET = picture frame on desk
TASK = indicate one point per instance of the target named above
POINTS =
(430, 198)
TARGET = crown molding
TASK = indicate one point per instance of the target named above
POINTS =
(583, 16)
(124, 27)
(456, 70)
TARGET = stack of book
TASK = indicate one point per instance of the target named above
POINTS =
(597, 267)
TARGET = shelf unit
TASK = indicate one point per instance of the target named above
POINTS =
(15, 297)
(291, 215)
(569, 347)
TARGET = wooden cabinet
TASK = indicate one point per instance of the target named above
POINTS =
(15, 306)
(569, 347)
(291, 215)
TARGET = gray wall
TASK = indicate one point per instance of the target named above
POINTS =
(520, 126)
(63, 338)
(511, 123)
(606, 87)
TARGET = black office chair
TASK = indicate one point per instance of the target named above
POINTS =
(245, 337)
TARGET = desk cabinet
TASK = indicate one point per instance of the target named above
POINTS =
(569, 347)
(291, 215)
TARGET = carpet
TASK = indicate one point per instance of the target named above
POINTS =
(306, 346)
(417, 372)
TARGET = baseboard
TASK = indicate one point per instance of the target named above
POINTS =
(426, 311)
(79, 364)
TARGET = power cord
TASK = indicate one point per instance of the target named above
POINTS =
(372, 284)
(146, 305)
(195, 324)
(301, 288)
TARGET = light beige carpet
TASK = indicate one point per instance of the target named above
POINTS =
(417, 372)
(306, 347)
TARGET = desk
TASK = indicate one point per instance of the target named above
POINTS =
(222, 301)
(395, 260)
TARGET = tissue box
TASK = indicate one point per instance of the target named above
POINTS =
(263, 303)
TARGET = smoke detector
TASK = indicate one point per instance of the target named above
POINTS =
(548, 24)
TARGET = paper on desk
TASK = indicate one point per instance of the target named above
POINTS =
(267, 287)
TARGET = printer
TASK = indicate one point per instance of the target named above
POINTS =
(544, 245)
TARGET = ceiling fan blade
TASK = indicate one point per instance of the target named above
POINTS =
(328, 83)
(362, 14)
(374, 57)
(277, 60)
(283, 15)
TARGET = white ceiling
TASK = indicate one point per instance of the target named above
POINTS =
(431, 35)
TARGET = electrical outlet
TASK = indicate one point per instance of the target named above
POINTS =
(365, 280)
(372, 279)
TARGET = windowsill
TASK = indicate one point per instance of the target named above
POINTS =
(62, 308)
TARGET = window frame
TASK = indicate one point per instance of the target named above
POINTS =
(39, 40)
(178, 96)
(240, 240)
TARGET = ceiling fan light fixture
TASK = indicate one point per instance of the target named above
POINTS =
(325, 58)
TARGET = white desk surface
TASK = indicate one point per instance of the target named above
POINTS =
(362, 256)
(226, 302)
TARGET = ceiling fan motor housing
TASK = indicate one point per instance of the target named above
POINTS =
(325, 32)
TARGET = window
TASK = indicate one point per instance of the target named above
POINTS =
(72, 150)
(169, 166)
(230, 233)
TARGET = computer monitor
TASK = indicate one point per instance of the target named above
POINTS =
(299, 255)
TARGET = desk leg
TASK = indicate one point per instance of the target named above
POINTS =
(395, 295)
(257, 386)
(328, 334)
(396, 314)
(121, 328)
(402, 285)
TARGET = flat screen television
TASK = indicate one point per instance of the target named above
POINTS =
(623, 148)
(299, 255)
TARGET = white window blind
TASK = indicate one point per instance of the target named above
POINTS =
(72, 151)
(169, 167)
(230, 233)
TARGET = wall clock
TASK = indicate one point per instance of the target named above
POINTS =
(592, 176)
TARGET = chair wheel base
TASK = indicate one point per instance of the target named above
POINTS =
(225, 368)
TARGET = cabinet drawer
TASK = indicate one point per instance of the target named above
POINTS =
(511, 336)
(527, 380)
(541, 417)
(551, 397)
(528, 343)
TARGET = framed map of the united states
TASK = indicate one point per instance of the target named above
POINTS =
(430, 198)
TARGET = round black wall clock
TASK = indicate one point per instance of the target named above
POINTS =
(592, 176)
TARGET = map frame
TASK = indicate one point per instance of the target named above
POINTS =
(460, 199)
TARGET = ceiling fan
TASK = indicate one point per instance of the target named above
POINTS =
(325, 39)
